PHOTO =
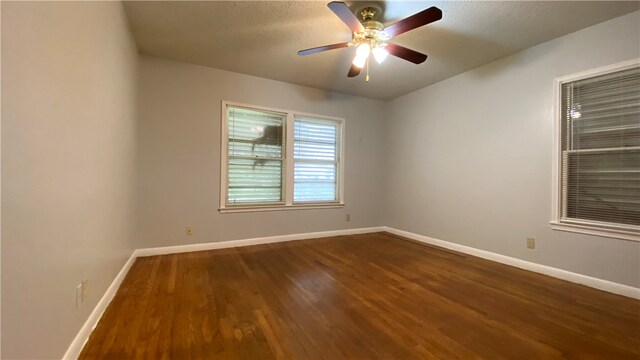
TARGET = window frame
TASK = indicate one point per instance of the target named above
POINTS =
(287, 163)
(605, 229)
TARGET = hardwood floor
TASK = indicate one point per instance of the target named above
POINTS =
(358, 297)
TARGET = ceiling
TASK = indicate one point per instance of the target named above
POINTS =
(262, 38)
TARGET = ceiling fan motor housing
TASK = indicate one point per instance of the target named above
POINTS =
(369, 13)
(373, 34)
(373, 25)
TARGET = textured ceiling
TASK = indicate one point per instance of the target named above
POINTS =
(262, 38)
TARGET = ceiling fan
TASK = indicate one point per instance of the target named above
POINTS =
(371, 36)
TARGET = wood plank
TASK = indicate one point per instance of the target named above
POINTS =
(359, 296)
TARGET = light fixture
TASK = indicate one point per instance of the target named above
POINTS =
(369, 35)
(380, 54)
(362, 53)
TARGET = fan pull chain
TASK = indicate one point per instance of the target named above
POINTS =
(366, 79)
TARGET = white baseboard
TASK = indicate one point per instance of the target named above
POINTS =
(254, 241)
(600, 284)
(78, 342)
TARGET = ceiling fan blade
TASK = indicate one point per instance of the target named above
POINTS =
(344, 13)
(354, 71)
(406, 54)
(414, 21)
(322, 48)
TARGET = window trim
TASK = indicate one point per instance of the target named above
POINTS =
(288, 163)
(611, 230)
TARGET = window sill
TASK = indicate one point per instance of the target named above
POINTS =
(598, 231)
(255, 208)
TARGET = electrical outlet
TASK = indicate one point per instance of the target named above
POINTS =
(531, 243)
(348, 217)
(189, 231)
(85, 290)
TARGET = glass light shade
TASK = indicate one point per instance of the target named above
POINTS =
(362, 53)
(363, 50)
(359, 61)
(380, 54)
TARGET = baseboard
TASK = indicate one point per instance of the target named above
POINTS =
(605, 285)
(254, 241)
(83, 335)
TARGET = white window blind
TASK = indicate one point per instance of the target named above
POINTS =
(316, 157)
(601, 150)
(255, 156)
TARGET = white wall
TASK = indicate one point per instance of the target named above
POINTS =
(469, 158)
(68, 152)
(179, 155)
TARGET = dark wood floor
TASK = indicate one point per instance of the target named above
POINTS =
(358, 297)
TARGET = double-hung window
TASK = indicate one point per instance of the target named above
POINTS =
(279, 159)
(255, 157)
(598, 160)
(316, 160)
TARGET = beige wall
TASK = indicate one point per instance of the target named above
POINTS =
(68, 152)
(179, 155)
(469, 158)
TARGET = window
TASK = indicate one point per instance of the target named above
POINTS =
(315, 154)
(278, 159)
(598, 187)
(255, 156)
